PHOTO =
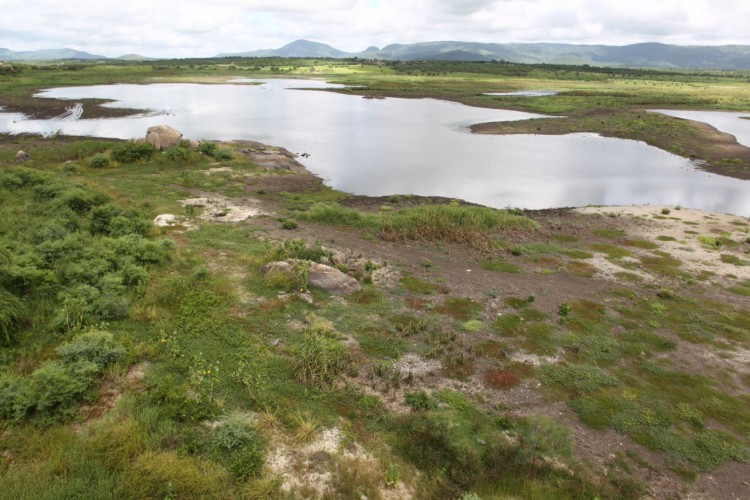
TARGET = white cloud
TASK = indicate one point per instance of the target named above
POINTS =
(200, 28)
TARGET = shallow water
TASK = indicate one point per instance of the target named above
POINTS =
(420, 146)
(730, 122)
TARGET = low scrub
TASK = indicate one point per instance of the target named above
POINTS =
(131, 152)
(451, 223)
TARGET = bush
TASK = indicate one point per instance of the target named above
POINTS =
(11, 313)
(224, 155)
(95, 346)
(50, 392)
(208, 148)
(178, 153)
(419, 401)
(99, 161)
(131, 152)
(239, 447)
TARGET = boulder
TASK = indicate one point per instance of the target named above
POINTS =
(163, 137)
(326, 278)
(22, 155)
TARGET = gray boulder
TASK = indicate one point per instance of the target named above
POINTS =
(22, 155)
(163, 137)
(326, 278)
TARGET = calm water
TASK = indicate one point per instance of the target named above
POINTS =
(726, 121)
(525, 93)
(420, 146)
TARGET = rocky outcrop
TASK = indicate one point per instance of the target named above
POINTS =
(326, 278)
(163, 137)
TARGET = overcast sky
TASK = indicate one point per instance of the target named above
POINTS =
(207, 27)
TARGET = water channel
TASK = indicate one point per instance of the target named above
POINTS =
(398, 146)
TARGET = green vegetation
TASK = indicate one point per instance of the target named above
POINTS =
(144, 362)
(474, 225)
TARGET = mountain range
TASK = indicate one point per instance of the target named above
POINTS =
(649, 55)
(644, 55)
(61, 55)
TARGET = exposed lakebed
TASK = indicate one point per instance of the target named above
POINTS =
(419, 146)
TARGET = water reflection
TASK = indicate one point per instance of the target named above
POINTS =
(419, 146)
(730, 122)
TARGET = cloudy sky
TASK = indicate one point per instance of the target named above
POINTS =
(206, 27)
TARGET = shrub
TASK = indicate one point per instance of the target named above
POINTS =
(51, 391)
(288, 224)
(239, 447)
(224, 155)
(419, 400)
(178, 153)
(131, 152)
(95, 346)
(11, 313)
(99, 161)
(208, 148)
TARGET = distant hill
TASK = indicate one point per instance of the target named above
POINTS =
(640, 55)
(298, 48)
(648, 55)
(46, 55)
(136, 57)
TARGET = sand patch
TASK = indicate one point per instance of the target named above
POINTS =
(678, 232)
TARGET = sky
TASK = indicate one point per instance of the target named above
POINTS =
(204, 28)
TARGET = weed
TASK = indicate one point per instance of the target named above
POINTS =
(416, 285)
(734, 260)
(639, 243)
(419, 401)
(305, 428)
(500, 266)
(319, 358)
(459, 308)
(609, 233)
(473, 325)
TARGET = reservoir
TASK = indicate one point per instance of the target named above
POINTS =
(398, 146)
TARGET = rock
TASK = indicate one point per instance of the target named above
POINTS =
(332, 280)
(22, 155)
(163, 137)
(326, 278)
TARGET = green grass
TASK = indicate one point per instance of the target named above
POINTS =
(640, 243)
(608, 233)
(459, 308)
(741, 289)
(500, 266)
(728, 258)
(475, 226)
(416, 285)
